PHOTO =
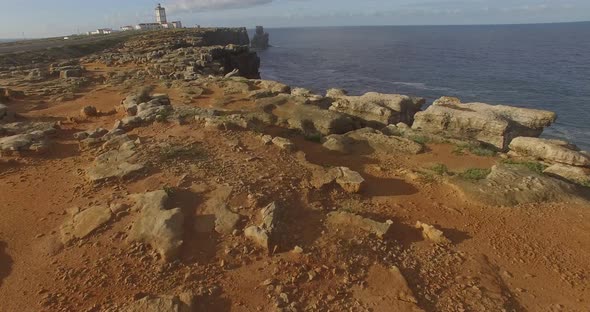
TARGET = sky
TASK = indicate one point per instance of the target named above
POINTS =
(44, 18)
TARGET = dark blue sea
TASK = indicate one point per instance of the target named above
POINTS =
(543, 66)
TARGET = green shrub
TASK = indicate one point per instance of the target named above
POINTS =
(475, 174)
(531, 165)
(316, 137)
(585, 183)
(474, 149)
(440, 169)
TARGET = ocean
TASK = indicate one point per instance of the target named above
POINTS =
(545, 66)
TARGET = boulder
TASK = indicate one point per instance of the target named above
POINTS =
(377, 109)
(82, 223)
(348, 180)
(342, 218)
(550, 150)
(432, 234)
(283, 143)
(510, 185)
(34, 141)
(265, 233)
(225, 220)
(495, 125)
(311, 119)
(571, 173)
(162, 229)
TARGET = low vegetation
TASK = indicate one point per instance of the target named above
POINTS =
(440, 169)
(531, 165)
(475, 174)
(420, 139)
(474, 149)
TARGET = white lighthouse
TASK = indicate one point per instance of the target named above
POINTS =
(161, 15)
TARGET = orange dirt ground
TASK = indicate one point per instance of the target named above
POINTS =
(530, 257)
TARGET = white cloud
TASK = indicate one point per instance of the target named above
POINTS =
(190, 5)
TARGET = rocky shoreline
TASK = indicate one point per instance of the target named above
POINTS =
(204, 174)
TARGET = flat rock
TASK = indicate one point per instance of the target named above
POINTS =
(81, 223)
(495, 125)
(343, 218)
(509, 185)
(225, 220)
(162, 229)
(550, 150)
(113, 164)
(571, 173)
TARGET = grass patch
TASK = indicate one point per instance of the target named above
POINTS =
(420, 139)
(531, 165)
(474, 149)
(475, 174)
(440, 169)
(585, 183)
(170, 152)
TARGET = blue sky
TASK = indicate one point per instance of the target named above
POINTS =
(41, 18)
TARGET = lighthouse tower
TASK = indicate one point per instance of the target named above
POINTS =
(160, 15)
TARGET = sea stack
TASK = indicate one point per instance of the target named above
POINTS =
(260, 39)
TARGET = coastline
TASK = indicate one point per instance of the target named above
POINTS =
(160, 171)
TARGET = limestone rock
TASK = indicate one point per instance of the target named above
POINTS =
(181, 303)
(273, 86)
(311, 119)
(348, 219)
(550, 150)
(373, 140)
(432, 234)
(118, 163)
(495, 125)
(283, 143)
(509, 185)
(81, 223)
(265, 233)
(571, 173)
(162, 229)
(377, 109)
(350, 181)
(225, 220)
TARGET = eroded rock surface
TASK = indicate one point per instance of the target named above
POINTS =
(82, 223)
(495, 125)
(550, 150)
(509, 185)
(159, 227)
(377, 109)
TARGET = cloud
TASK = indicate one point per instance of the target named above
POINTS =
(208, 5)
